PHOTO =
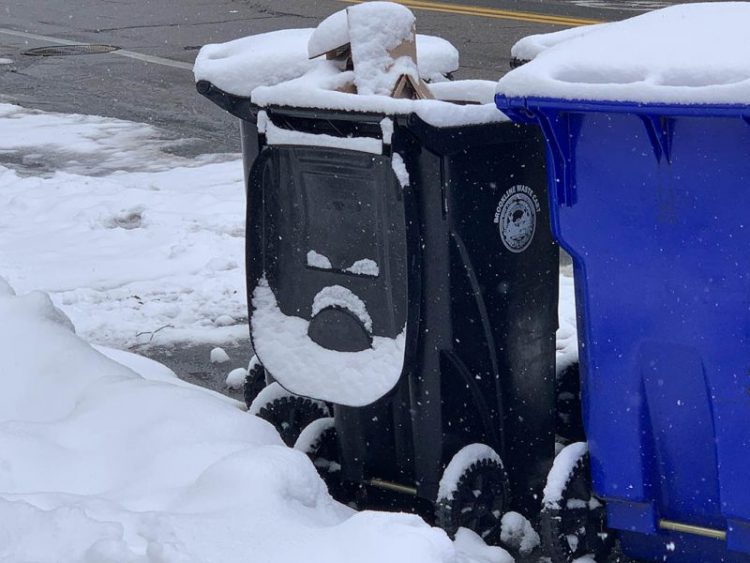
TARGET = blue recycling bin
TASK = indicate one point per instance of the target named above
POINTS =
(653, 204)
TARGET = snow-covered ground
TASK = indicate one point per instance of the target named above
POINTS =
(137, 245)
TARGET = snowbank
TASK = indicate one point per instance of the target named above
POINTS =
(684, 54)
(100, 465)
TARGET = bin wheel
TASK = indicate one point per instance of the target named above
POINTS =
(320, 442)
(288, 413)
(255, 381)
(573, 520)
(479, 498)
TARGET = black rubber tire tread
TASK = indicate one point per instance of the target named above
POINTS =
(290, 415)
(325, 447)
(255, 381)
(449, 514)
(554, 540)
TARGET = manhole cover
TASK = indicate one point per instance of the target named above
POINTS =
(61, 50)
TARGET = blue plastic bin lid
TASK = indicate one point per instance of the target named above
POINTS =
(693, 54)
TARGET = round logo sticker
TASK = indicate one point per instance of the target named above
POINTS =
(516, 217)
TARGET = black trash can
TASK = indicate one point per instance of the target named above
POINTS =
(441, 236)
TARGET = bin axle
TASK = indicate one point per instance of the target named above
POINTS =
(389, 486)
(692, 529)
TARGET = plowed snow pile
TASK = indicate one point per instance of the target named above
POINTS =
(101, 465)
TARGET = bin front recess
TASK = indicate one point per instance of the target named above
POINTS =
(652, 203)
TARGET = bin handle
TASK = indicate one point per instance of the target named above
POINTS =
(562, 133)
(238, 106)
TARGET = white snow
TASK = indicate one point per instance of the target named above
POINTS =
(154, 371)
(344, 298)
(100, 465)
(317, 260)
(241, 65)
(684, 54)
(518, 533)
(253, 363)
(236, 378)
(375, 30)
(305, 368)
(4, 61)
(224, 320)
(318, 89)
(474, 91)
(436, 58)
(386, 126)
(278, 136)
(364, 267)
(139, 247)
(330, 34)
(219, 356)
(474, 550)
(310, 434)
(561, 469)
(399, 169)
(567, 334)
(463, 460)
(268, 395)
(530, 46)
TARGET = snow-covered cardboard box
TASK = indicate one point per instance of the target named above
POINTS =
(377, 41)
(685, 54)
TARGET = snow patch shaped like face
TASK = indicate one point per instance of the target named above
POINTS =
(305, 368)
(463, 460)
(375, 29)
(339, 296)
(684, 54)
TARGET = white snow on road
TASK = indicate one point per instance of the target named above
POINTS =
(136, 245)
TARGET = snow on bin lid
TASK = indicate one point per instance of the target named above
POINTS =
(436, 57)
(529, 47)
(686, 54)
(240, 66)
